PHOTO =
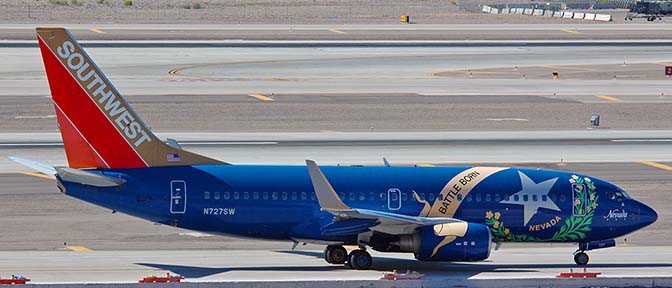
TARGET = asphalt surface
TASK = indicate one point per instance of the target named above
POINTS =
(54, 219)
(306, 265)
(389, 32)
(75, 242)
(355, 89)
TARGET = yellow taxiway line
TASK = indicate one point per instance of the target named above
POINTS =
(657, 165)
(261, 97)
(97, 31)
(570, 31)
(607, 97)
(337, 31)
(78, 249)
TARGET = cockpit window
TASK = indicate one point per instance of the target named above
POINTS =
(617, 195)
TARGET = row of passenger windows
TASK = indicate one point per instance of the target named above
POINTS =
(362, 196)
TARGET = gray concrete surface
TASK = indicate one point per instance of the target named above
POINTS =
(351, 89)
(50, 219)
(391, 32)
(308, 265)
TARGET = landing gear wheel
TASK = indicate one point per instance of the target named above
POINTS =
(581, 258)
(360, 260)
(335, 254)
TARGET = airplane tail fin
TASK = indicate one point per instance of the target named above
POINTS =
(99, 128)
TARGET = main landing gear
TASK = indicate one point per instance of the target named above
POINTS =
(357, 259)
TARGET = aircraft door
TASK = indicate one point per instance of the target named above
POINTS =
(178, 197)
(393, 199)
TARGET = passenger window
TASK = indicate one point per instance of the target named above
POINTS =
(274, 196)
(341, 195)
(507, 197)
(362, 196)
(469, 198)
(246, 195)
(312, 196)
(304, 196)
(439, 197)
(516, 198)
(487, 198)
(216, 195)
(255, 195)
(544, 198)
(236, 195)
(294, 196)
(383, 196)
(284, 196)
(404, 196)
(227, 195)
(534, 198)
(264, 195)
(478, 197)
(430, 197)
(525, 198)
(372, 196)
(394, 197)
(497, 199)
(459, 197)
(351, 196)
(206, 195)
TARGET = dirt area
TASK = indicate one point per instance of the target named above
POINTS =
(257, 11)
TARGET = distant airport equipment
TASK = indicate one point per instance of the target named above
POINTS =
(14, 280)
(446, 213)
(668, 71)
(558, 14)
(595, 120)
(568, 15)
(556, 75)
(650, 10)
(405, 19)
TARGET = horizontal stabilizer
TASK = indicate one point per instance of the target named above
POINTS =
(42, 167)
(88, 178)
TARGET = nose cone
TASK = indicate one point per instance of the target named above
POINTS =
(647, 215)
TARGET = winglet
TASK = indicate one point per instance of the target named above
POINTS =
(326, 195)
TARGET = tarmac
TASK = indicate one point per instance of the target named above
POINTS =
(344, 105)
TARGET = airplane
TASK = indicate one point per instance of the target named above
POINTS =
(651, 10)
(443, 213)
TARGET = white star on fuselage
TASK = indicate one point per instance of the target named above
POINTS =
(530, 188)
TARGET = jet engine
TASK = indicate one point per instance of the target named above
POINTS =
(458, 242)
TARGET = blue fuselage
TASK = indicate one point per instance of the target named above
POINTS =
(278, 202)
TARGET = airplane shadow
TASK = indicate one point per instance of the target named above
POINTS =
(460, 270)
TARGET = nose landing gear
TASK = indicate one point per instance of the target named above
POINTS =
(581, 258)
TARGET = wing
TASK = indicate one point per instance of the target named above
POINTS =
(386, 222)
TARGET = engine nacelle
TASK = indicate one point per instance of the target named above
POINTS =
(473, 246)
(458, 242)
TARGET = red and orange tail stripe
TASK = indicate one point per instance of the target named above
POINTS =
(99, 128)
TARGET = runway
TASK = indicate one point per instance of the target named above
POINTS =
(345, 106)
(308, 265)
(387, 32)
(355, 89)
